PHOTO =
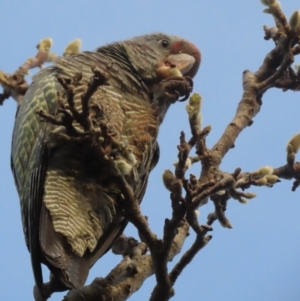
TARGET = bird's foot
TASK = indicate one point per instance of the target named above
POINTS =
(175, 87)
(48, 288)
(45, 294)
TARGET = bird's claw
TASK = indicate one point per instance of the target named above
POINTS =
(175, 87)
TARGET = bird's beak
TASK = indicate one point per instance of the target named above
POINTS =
(182, 61)
(187, 56)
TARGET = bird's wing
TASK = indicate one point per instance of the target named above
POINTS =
(29, 159)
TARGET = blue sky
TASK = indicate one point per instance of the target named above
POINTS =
(256, 260)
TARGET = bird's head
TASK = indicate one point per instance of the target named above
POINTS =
(154, 55)
(149, 59)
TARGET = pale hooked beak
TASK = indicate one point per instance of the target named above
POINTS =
(182, 61)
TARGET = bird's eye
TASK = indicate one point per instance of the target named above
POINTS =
(165, 43)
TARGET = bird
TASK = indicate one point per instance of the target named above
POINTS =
(70, 202)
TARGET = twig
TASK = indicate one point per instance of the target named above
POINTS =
(200, 242)
(105, 289)
(14, 85)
